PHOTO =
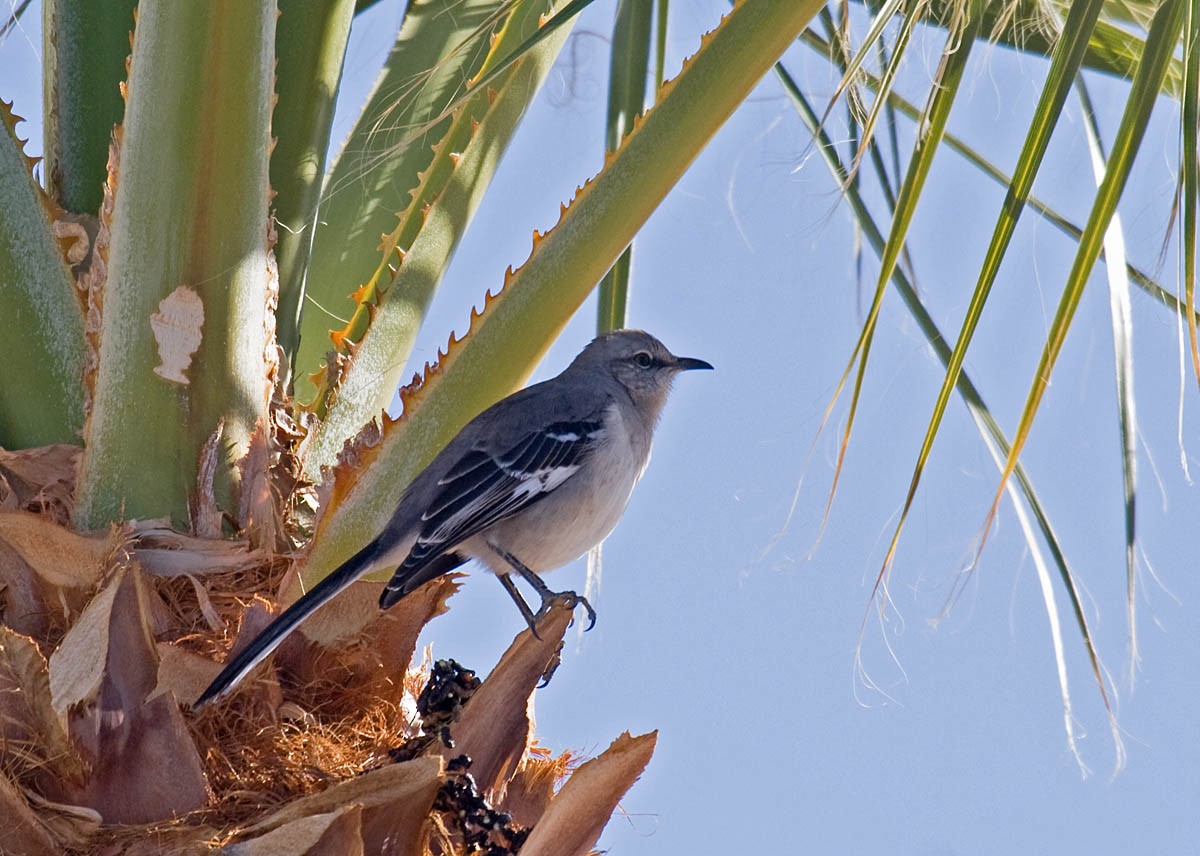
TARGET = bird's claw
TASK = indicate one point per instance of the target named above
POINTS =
(570, 600)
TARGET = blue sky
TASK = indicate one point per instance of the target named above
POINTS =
(745, 662)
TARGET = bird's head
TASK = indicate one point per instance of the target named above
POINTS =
(640, 363)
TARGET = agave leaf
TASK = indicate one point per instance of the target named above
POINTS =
(41, 397)
(450, 189)
(310, 44)
(85, 44)
(886, 83)
(334, 832)
(931, 129)
(1064, 65)
(24, 833)
(187, 328)
(990, 432)
(143, 764)
(573, 822)
(441, 44)
(1190, 168)
(1139, 277)
(510, 335)
(395, 801)
(660, 42)
(626, 101)
(880, 18)
(1160, 44)
(1122, 326)
(1031, 28)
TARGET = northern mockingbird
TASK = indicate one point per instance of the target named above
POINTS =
(530, 484)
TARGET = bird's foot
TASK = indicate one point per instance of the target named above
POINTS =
(570, 600)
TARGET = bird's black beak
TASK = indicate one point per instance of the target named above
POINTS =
(687, 364)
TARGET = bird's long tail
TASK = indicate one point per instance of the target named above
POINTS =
(264, 643)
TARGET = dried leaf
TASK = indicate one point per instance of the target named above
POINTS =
(205, 603)
(395, 800)
(23, 833)
(23, 604)
(77, 667)
(531, 788)
(57, 555)
(71, 825)
(33, 738)
(182, 673)
(39, 562)
(336, 833)
(578, 814)
(495, 728)
(164, 552)
(41, 479)
(354, 608)
(144, 764)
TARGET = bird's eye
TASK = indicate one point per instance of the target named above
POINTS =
(643, 360)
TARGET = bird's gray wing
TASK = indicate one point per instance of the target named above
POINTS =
(485, 486)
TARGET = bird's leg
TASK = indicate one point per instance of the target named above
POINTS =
(519, 600)
(544, 592)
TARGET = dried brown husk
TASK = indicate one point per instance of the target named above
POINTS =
(298, 756)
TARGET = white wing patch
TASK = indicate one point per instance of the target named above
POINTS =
(540, 481)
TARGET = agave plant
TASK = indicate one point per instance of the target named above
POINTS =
(174, 274)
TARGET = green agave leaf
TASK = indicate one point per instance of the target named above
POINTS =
(508, 338)
(441, 44)
(1160, 44)
(887, 81)
(1064, 65)
(310, 45)
(41, 386)
(85, 44)
(660, 42)
(1122, 324)
(1190, 169)
(989, 429)
(932, 128)
(426, 236)
(626, 101)
(1139, 277)
(186, 338)
(1031, 28)
(1116, 51)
